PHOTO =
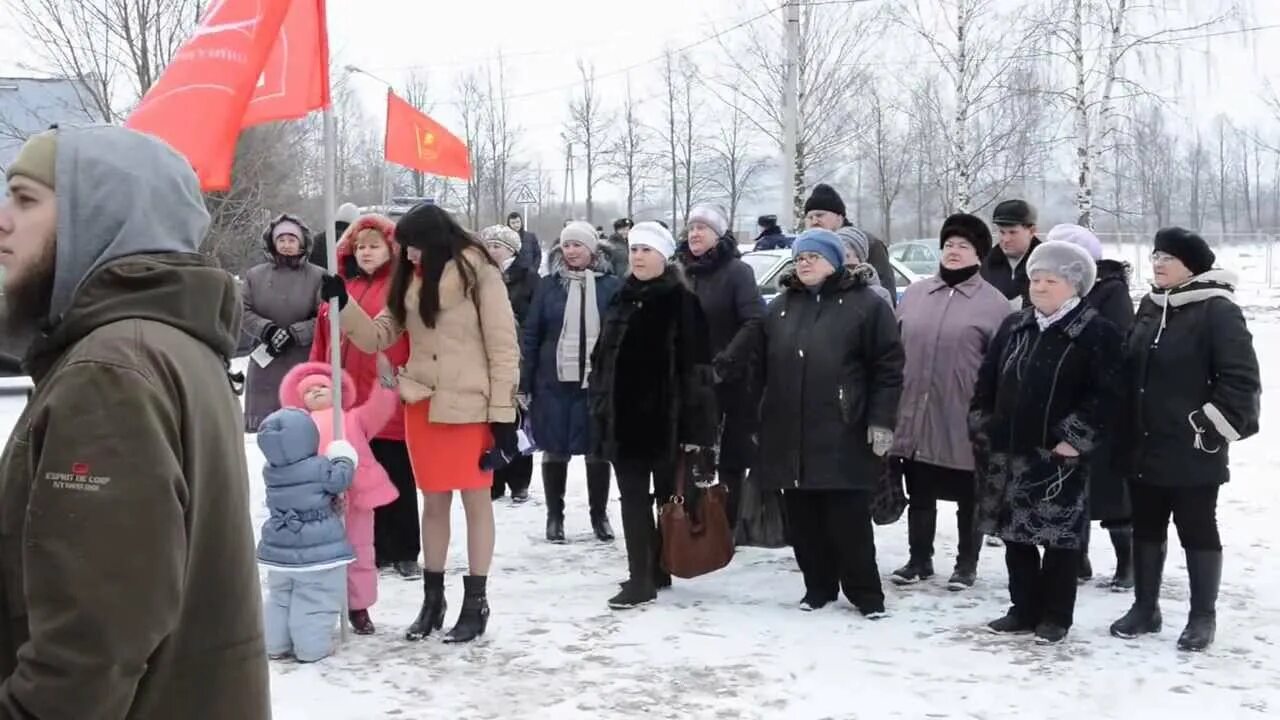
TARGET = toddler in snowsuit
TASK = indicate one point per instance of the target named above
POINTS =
(303, 544)
(308, 386)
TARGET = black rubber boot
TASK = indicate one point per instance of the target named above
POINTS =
(1204, 568)
(598, 481)
(474, 617)
(554, 477)
(1122, 541)
(1143, 617)
(431, 617)
(922, 525)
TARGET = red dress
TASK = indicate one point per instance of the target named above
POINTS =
(445, 457)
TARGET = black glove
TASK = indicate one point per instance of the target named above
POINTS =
(506, 446)
(277, 340)
(332, 287)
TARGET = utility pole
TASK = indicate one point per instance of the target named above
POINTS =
(791, 117)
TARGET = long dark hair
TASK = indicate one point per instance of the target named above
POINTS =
(432, 230)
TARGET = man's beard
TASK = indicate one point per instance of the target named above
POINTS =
(26, 303)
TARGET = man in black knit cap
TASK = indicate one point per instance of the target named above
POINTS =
(825, 209)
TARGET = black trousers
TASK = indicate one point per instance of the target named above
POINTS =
(926, 484)
(1042, 590)
(835, 545)
(1194, 511)
(396, 537)
(515, 476)
(641, 484)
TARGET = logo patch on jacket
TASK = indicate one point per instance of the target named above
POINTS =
(80, 478)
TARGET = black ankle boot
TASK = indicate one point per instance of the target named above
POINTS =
(598, 500)
(1144, 617)
(554, 478)
(474, 617)
(431, 617)
(1204, 569)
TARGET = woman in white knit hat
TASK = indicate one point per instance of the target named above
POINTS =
(652, 398)
(557, 343)
(1046, 393)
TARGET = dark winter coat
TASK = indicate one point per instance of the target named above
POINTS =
(560, 412)
(1189, 350)
(1036, 389)
(1108, 495)
(617, 252)
(832, 367)
(319, 255)
(287, 296)
(522, 282)
(530, 254)
(731, 302)
(773, 239)
(652, 386)
(1013, 282)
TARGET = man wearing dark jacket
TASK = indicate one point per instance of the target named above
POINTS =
(1004, 266)
(825, 209)
(347, 214)
(128, 569)
(771, 236)
(530, 251)
(614, 248)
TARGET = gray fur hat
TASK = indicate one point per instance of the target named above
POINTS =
(1066, 260)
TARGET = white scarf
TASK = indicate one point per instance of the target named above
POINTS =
(581, 314)
(1044, 321)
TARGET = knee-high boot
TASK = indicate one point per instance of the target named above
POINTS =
(554, 477)
(598, 499)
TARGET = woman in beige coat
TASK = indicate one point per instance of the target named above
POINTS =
(459, 392)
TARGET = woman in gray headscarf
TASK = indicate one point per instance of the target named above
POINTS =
(857, 251)
(558, 334)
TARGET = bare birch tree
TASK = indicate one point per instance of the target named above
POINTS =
(630, 158)
(834, 37)
(885, 146)
(470, 95)
(589, 126)
(735, 165)
(501, 137)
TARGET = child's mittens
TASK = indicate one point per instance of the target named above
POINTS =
(342, 450)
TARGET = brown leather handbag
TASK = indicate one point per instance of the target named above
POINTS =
(696, 538)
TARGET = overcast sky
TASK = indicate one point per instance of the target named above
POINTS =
(543, 39)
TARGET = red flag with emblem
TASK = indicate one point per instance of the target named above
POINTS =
(420, 143)
(198, 104)
(295, 80)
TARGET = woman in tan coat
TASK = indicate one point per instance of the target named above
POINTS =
(459, 392)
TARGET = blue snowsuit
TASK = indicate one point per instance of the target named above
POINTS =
(303, 545)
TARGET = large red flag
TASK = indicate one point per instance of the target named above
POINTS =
(295, 80)
(198, 104)
(420, 143)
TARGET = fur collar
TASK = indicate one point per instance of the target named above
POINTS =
(842, 280)
(1215, 283)
(600, 264)
(715, 258)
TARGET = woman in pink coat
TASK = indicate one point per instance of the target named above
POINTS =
(309, 386)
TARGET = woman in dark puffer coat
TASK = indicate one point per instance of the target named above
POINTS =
(557, 340)
(1193, 388)
(1108, 499)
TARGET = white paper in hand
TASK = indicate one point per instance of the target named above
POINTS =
(261, 356)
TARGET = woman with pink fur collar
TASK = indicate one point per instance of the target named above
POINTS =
(309, 386)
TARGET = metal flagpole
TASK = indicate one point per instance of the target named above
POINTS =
(335, 339)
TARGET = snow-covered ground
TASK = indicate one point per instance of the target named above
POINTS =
(734, 645)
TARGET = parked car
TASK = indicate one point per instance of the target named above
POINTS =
(769, 266)
(920, 256)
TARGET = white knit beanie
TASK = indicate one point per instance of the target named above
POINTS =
(582, 233)
(711, 216)
(652, 235)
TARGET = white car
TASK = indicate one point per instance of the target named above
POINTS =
(770, 265)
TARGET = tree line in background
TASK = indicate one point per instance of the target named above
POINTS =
(977, 100)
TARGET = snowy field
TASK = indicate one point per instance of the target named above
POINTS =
(734, 644)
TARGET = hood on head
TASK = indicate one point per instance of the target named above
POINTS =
(1113, 271)
(288, 436)
(346, 244)
(290, 397)
(120, 193)
(269, 243)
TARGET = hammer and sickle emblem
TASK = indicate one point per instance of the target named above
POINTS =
(426, 144)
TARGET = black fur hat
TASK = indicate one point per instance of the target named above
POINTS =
(969, 227)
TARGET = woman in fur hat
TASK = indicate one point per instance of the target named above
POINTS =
(1046, 391)
(946, 322)
(279, 299)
